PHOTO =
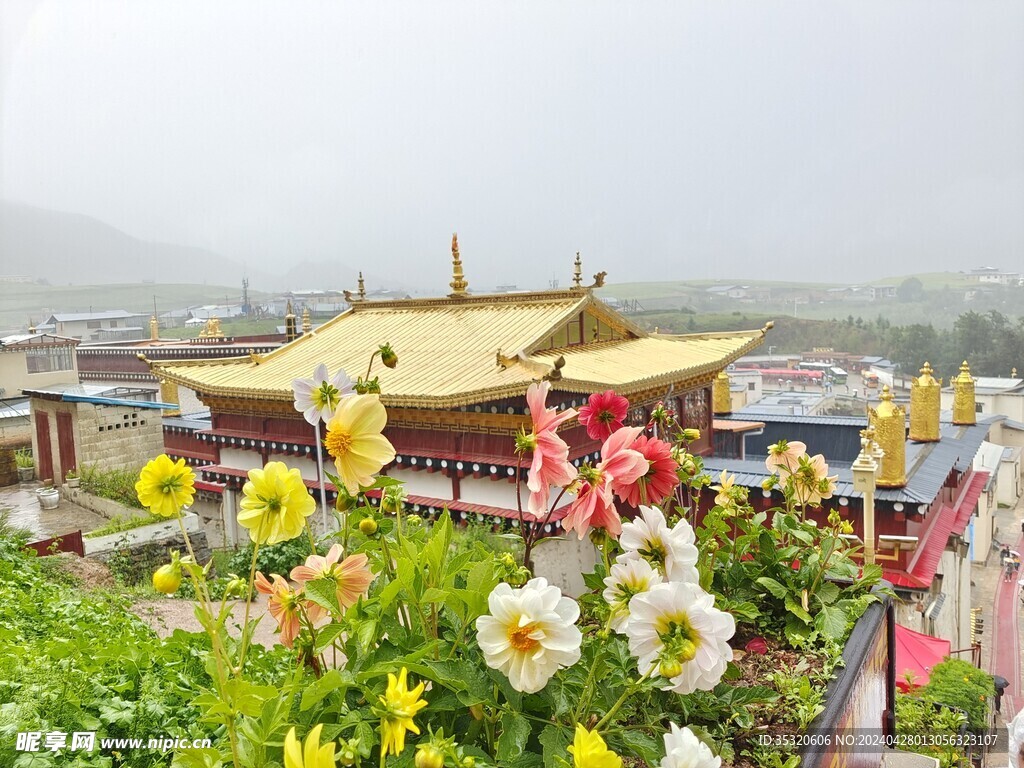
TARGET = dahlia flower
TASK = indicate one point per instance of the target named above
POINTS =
(550, 465)
(604, 414)
(165, 486)
(724, 488)
(352, 576)
(659, 480)
(530, 633)
(684, 750)
(677, 625)
(313, 756)
(285, 606)
(355, 442)
(588, 750)
(672, 551)
(400, 705)
(593, 505)
(811, 482)
(784, 456)
(317, 397)
(276, 504)
(630, 576)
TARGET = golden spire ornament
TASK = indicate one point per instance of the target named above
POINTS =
(458, 283)
(362, 286)
(925, 406)
(154, 328)
(720, 396)
(890, 424)
(577, 271)
(289, 324)
(307, 324)
(964, 409)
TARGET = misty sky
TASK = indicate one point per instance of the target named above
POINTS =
(714, 139)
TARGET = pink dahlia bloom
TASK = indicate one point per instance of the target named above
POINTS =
(594, 506)
(550, 465)
(285, 606)
(657, 482)
(604, 414)
(352, 576)
(784, 456)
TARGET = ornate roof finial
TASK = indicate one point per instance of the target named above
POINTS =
(307, 324)
(362, 286)
(964, 407)
(458, 283)
(1013, 373)
(154, 328)
(577, 271)
(924, 406)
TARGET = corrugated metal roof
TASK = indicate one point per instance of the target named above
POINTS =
(933, 544)
(751, 411)
(968, 500)
(449, 350)
(111, 314)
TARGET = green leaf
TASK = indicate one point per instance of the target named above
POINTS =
(643, 746)
(798, 610)
(831, 621)
(435, 595)
(827, 593)
(871, 573)
(555, 741)
(323, 592)
(315, 692)
(777, 589)
(515, 730)
(469, 683)
(325, 636)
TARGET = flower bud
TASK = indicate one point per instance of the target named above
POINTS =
(167, 578)
(393, 499)
(345, 500)
(235, 587)
(690, 435)
(413, 521)
(428, 756)
(477, 711)
(687, 650)
(388, 356)
(469, 762)
(368, 526)
(670, 668)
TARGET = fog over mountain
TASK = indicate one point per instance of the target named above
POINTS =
(827, 140)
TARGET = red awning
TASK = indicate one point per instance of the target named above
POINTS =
(968, 500)
(917, 654)
(932, 545)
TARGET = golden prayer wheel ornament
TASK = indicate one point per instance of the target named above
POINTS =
(169, 394)
(890, 424)
(720, 395)
(964, 410)
(925, 406)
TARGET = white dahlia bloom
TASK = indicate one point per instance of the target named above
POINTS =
(684, 750)
(630, 576)
(672, 551)
(530, 633)
(317, 397)
(675, 629)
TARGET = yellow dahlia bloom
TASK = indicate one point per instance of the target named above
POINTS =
(588, 750)
(400, 705)
(355, 442)
(165, 486)
(275, 504)
(313, 756)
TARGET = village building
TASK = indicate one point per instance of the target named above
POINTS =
(110, 325)
(457, 396)
(26, 361)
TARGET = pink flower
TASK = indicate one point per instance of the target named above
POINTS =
(285, 605)
(604, 414)
(351, 576)
(659, 480)
(550, 464)
(756, 645)
(784, 456)
(594, 505)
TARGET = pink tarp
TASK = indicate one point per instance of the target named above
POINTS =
(917, 653)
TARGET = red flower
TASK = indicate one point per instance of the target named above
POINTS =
(604, 415)
(594, 505)
(660, 479)
(757, 645)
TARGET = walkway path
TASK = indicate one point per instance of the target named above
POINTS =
(1005, 659)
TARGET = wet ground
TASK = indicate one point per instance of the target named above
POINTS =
(23, 511)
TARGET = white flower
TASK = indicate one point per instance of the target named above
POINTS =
(684, 750)
(317, 397)
(676, 630)
(671, 550)
(630, 576)
(530, 634)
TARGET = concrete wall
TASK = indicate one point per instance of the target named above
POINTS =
(14, 375)
(1008, 481)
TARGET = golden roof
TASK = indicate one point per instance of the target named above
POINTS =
(469, 349)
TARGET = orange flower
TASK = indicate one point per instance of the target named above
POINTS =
(352, 576)
(285, 605)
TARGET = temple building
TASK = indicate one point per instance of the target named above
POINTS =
(457, 396)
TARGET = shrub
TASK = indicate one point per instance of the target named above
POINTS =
(23, 458)
(959, 684)
(275, 558)
(114, 484)
(916, 717)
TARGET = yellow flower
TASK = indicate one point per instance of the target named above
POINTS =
(400, 705)
(588, 750)
(313, 756)
(276, 504)
(355, 441)
(725, 489)
(165, 486)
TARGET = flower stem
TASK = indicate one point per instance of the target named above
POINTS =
(248, 598)
(630, 690)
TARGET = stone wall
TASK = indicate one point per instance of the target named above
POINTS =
(117, 436)
(135, 564)
(8, 467)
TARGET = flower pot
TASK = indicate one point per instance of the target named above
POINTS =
(49, 498)
(72, 482)
(26, 473)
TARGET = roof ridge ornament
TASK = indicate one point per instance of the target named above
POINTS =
(459, 284)
(577, 272)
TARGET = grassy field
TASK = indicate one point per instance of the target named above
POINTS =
(22, 304)
(230, 327)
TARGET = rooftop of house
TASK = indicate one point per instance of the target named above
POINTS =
(74, 317)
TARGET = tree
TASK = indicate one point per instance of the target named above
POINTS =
(910, 289)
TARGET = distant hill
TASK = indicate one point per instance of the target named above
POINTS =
(67, 248)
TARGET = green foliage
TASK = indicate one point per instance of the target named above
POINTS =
(114, 484)
(118, 524)
(916, 717)
(956, 683)
(23, 458)
(276, 558)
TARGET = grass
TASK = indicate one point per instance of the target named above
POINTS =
(118, 524)
(230, 327)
